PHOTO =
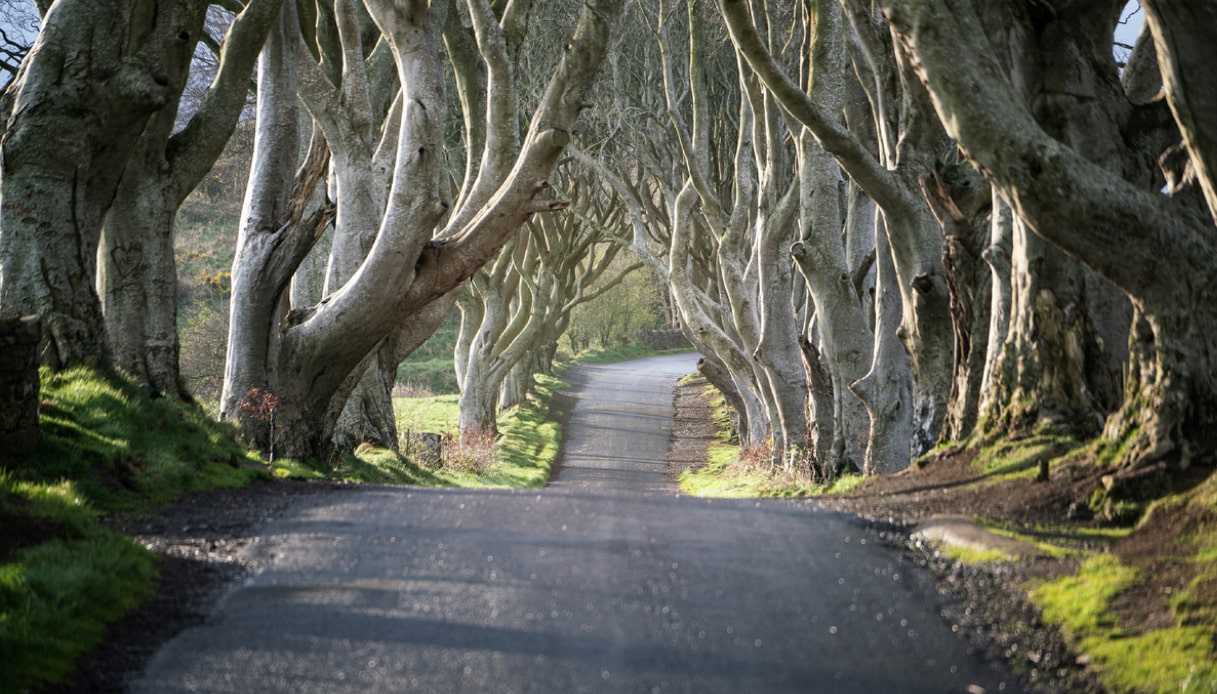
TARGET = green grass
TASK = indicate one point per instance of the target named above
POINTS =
(719, 477)
(57, 595)
(531, 438)
(969, 555)
(430, 367)
(1175, 659)
(126, 451)
(1080, 602)
(57, 598)
(1167, 660)
(528, 444)
(366, 465)
(1006, 459)
(436, 374)
(731, 473)
(434, 414)
(726, 476)
(105, 447)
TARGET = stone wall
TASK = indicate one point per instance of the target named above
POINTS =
(19, 386)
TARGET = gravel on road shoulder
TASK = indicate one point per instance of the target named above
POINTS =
(198, 540)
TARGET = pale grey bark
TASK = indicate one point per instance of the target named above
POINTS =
(491, 291)
(885, 389)
(273, 238)
(1081, 207)
(341, 95)
(522, 302)
(845, 338)
(997, 255)
(95, 76)
(658, 231)
(310, 357)
(845, 335)
(893, 182)
(137, 279)
(751, 216)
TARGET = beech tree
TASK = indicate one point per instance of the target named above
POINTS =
(718, 225)
(1035, 332)
(137, 279)
(516, 307)
(746, 198)
(1154, 245)
(133, 167)
(96, 74)
(425, 241)
(891, 175)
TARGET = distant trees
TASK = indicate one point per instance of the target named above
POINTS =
(619, 313)
(516, 307)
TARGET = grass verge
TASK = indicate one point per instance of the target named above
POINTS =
(530, 436)
(1170, 559)
(733, 472)
(604, 355)
(1174, 659)
(105, 447)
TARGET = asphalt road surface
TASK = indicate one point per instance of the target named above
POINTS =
(604, 582)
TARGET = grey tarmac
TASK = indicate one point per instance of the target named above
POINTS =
(604, 582)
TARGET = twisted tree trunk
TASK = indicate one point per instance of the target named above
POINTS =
(97, 72)
(1165, 242)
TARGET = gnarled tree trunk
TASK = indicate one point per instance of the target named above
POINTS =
(309, 359)
(1164, 242)
(96, 74)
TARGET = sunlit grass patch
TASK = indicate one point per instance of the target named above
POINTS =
(1022, 458)
(532, 437)
(732, 473)
(523, 456)
(62, 579)
(845, 484)
(126, 450)
(719, 477)
(970, 555)
(735, 472)
(1080, 602)
(1180, 658)
(604, 355)
(1168, 660)
(106, 446)
(435, 414)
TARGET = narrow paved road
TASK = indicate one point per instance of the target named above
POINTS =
(605, 582)
(618, 434)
